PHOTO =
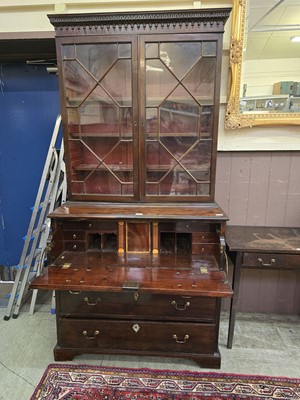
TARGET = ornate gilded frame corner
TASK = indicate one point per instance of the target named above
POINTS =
(234, 119)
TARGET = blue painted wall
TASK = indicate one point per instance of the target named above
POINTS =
(29, 105)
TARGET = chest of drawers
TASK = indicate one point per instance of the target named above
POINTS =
(146, 324)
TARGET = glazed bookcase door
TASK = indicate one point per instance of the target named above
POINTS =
(140, 116)
(98, 85)
(180, 87)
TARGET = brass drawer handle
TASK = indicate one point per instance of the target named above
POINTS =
(72, 292)
(96, 333)
(74, 236)
(74, 247)
(180, 307)
(260, 260)
(90, 303)
(186, 337)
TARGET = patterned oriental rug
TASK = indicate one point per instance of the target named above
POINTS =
(83, 382)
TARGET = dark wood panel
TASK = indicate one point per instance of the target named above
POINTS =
(139, 335)
(138, 305)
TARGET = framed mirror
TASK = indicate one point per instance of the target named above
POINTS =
(264, 74)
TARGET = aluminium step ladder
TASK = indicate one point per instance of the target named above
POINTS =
(59, 197)
(51, 193)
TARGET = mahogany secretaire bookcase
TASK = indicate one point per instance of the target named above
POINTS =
(137, 254)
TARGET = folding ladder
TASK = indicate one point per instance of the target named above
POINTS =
(51, 193)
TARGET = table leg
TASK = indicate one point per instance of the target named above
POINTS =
(233, 303)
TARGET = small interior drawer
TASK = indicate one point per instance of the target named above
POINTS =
(205, 237)
(207, 249)
(75, 246)
(74, 235)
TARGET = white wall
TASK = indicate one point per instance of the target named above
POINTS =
(260, 75)
(29, 17)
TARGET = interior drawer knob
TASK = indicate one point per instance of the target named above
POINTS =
(95, 334)
(180, 307)
(260, 260)
(185, 338)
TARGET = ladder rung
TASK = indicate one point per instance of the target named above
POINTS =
(23, 267)
(25, 237)
(38, 208)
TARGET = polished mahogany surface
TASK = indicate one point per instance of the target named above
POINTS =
(203, 211)
(96, 271)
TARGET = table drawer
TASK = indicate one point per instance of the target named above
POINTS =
(143, 305)
(137, 335)
(271, 260)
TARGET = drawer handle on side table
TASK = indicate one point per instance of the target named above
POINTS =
(180, 307)
(89, 303)
(185, 338)
(96, 333)
(260, 260)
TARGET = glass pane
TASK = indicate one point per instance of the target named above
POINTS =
(180, 114)
(178, 146)
(126, 122)
(124, 50)
(159, 83)
(179, 106)
(161, 185)
(97, 58)
(68, 51)
(179, 57)
(99, 114)
(151, 122)
(206, 122)
(209, 48)
(198, 161)
(73, 120)
(102, 166)
(152, 50)
(120, 158)
(78, 83)
(102, 182)
(200, 80)
(183, 183)
(117, 82)
(98, 87)
(158, 158)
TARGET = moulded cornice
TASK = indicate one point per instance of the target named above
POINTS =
(139, 20)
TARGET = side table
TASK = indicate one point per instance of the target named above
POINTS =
(259, 248)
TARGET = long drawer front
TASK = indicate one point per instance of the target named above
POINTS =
(137, 335)
(134, 304)
(266, 260)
